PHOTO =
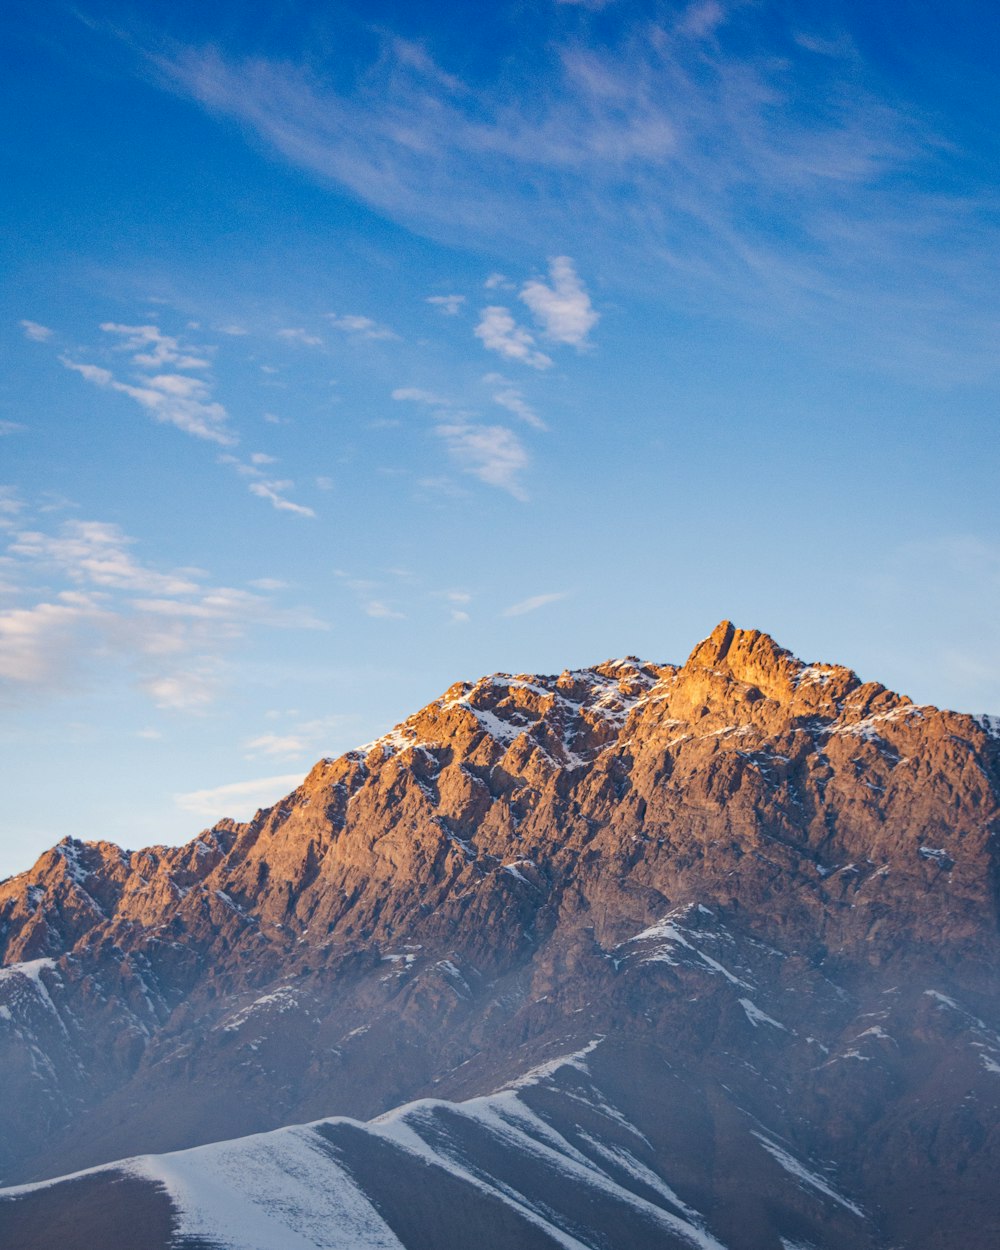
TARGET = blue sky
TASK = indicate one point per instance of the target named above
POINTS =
(356, 349)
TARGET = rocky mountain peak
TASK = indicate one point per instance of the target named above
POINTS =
(750, 657)
(470, 885)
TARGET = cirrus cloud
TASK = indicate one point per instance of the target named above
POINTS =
(534, 603)
(105, 611)
(238, 800)
(499, 332)
(36, 332)
(173, 399)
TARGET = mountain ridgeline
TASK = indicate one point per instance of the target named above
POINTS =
(636, 955)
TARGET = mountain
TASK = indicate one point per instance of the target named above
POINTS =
(754, 901)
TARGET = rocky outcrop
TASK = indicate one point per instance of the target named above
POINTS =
(435, 912)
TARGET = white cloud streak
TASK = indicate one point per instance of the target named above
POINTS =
(418, 395)
(152, 349)
(508, 396)
(492, 453)
(275, 745)
(450, 305)
(563, 309)
(272, 492)
(97, 553)
(239, 799)
(499, 332)
(171, 398)
(37, 333)
(114, 614)
(534, 603)
(193, 691)
(300, 336)
(381, 611)
(361, 327)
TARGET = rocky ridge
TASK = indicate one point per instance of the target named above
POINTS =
(741, 860)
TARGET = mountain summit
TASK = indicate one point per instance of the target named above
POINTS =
(758, 896)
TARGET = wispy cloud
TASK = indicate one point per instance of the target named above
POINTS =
(272, 492)
(370, 596)
(184, 691)
(739, 165)
(39, 644)
(458, 601)
(11, 504)
(360, 327)
(275, 745)
(238, 800)
(87, 604)
(152, 349)
(450, 305)
(700, 19)
(98, 554)
(420, 396)
(562, 309)
(510, 397)
(499, 332)
(534, 603)
(37, 333)
(493, 453)
(301, 738)
(296, 335)
(381, 611)
(11, 427)
(264, 487)
(174, 398)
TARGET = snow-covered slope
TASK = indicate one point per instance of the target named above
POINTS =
(548, 1162)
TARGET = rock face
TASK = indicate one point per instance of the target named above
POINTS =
(770, 888)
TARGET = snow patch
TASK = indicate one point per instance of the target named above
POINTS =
(943, 999)
(544, 1070)
(31, 971)
(867, 728)
(758, 1017)
(282, 999)
(802, 1173)
(990, 723)
(669, 934)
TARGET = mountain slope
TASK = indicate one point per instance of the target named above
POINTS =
(549, 1163)
(776, 880)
